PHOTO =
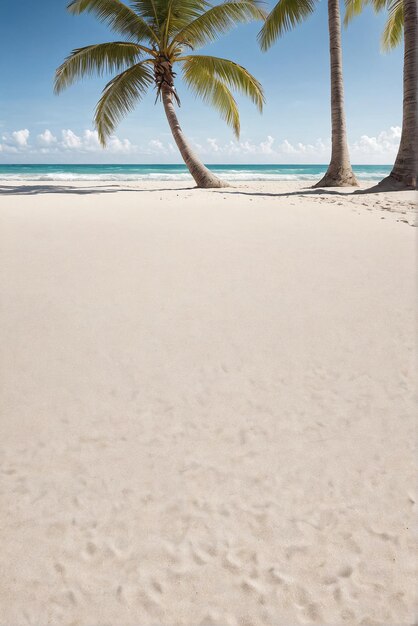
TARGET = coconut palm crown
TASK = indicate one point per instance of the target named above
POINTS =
(287, 14)
(158, 36)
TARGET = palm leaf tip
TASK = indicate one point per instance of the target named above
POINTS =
(394, 27)
(215, 93)
(352, 9)
(77, 6)
(213, 78)
(285, 15)
(119, 98)
(96, 59)
(118, 16)
(220, 19)
(231, 74)
(58, 83)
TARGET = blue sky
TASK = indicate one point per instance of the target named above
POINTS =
(38, 127)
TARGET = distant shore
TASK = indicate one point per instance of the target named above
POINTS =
(206, 407)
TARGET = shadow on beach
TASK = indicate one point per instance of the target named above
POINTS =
(33, 190)
(299, 192)
(309, 191)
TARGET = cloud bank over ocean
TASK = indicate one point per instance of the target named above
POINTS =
(68, 146)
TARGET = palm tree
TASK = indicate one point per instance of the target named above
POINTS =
(159, 34)
(284, 16)
(402, 20)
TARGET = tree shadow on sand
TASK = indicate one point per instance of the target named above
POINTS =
(33, 190)
(384, 186)
(284, 194)
(310, 191)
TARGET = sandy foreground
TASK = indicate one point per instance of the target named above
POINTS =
(206, 406)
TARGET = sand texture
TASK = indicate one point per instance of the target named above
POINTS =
(206, 406)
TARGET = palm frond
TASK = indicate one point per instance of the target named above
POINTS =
(353, 8)
(215, 93)
(284, 16)
(379, 5)
(119, 98)
(118, 16)
(149, 11)
(219, 19)
(393, 31)
(231, 74)
(96, 59)
(165, 30)
(179, 12)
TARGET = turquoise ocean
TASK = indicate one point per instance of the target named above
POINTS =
(132, 173)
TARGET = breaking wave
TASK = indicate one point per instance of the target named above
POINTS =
(138, 173)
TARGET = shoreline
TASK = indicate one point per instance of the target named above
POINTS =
(137, 173)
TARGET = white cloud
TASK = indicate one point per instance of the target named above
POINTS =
(70, 140)
(46, 138)
(157, 146)
(320, 149)
(267, 146)
(385, 143)
(213, 143)
(287, 147)
(89, 142)
(368, 149)
(121, 146)
(380, 148)
(20, 137)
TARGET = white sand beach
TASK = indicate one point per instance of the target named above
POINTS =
(206, 406)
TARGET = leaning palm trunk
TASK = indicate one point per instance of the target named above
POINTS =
(405, 170)
(339, 173)
(202, 176)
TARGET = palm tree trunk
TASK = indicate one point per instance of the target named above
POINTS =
(203, 177)
(339, 173)
(405, 171)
